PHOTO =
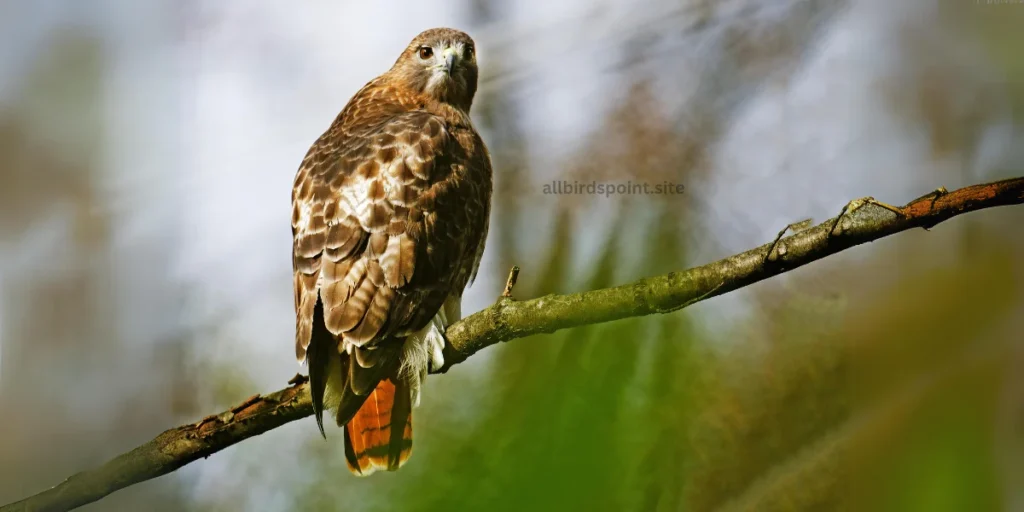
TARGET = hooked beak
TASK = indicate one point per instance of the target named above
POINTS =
(449, 60)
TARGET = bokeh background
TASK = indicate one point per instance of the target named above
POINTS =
(147, 151)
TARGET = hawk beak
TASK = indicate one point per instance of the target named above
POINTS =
(449, 60)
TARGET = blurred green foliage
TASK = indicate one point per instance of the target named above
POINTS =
(885, 399)
(897, 393)
(879, 381)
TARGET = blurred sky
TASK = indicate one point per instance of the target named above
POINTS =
(191, 117)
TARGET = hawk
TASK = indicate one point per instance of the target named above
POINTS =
(389, 216)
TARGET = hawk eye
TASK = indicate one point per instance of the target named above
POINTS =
(426, 52)
(469, 51)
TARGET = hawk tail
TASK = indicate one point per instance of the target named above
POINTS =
(379, 435)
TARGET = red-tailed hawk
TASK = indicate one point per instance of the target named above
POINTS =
(389, 217)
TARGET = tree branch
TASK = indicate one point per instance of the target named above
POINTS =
(510, 319)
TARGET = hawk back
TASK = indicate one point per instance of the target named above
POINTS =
(389, 217)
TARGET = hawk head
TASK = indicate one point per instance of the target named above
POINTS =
(441, 63)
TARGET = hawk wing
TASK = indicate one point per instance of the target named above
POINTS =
(384, 229)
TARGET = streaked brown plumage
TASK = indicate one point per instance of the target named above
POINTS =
(390, 210)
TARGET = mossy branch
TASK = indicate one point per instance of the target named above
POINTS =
(510, 319)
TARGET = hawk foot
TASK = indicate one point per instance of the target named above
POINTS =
(436, 349)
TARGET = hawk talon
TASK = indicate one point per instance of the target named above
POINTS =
(437, 355)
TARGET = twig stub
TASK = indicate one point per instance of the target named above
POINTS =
(513, 276)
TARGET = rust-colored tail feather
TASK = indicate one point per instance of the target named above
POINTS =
(379, 436)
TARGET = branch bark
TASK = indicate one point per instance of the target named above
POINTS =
(509, 319)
